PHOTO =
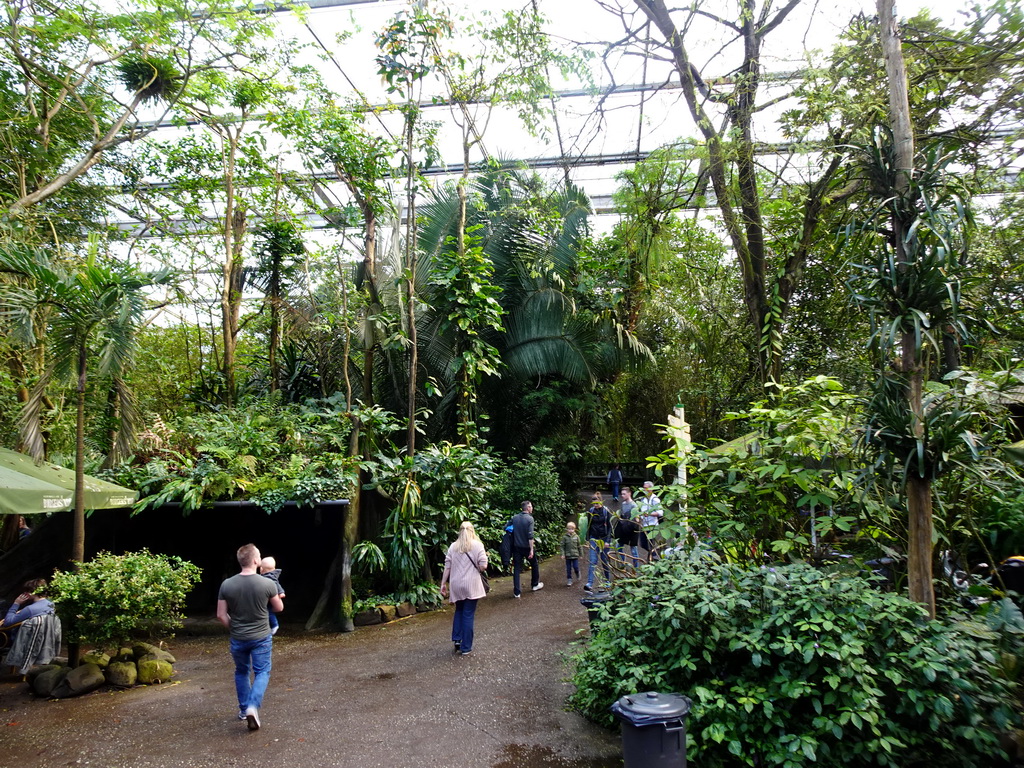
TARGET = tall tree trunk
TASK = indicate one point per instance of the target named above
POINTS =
(918, 488)
(78, 532)
(410, 270)
(231, 285)
(275, 323)
(466, 392)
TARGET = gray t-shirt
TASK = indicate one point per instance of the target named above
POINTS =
(247, 597)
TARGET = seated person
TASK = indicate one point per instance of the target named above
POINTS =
(30, 603)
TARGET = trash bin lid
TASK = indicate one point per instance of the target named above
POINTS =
(650, 707)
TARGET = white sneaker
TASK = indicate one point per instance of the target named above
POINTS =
(568, 583)
(539, 586)
(252, 718)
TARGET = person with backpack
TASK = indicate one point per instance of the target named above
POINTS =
(599, 536)
(627, 531)
(522, 548)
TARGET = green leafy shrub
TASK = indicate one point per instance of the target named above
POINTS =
(756, 493)
(534, 478)
(113, 598)
(795, 666)
(432, 494)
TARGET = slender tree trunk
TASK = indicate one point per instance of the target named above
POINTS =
(466, 393)
(275, 323)
(410, 269)
(918, 489)
(350, 533)
(231, 289)
(78, 532)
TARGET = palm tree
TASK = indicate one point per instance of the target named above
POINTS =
(85, 313)
(532, 237)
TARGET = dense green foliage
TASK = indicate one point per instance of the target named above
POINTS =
(114, 598)
(793, 666)
(262, 451)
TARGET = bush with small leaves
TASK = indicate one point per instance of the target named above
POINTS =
(794, 666)
(114, 598)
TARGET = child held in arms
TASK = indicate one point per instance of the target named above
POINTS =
(269, 570)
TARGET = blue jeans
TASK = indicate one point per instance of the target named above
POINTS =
(251, 656)
(572, 564)
(518, 554)
(595, 551)
(462, 624)
(634, 553)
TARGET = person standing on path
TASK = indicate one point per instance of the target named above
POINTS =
(650, 516)
(465, 561)
(614, 480)
(599, 534)
(571, 553)
(628, 512)
(243, 606)
(522, 547)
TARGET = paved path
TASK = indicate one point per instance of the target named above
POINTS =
(391, 696)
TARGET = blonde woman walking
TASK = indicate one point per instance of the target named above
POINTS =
(463, 564)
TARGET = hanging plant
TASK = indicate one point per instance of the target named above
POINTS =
(150, 77)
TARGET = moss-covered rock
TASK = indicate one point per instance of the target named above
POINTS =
(142, 649)
(99, 658)
(388, 612)
(405, 609)
(154, 671)
(123, 674)
(160, 655)
(81, 679)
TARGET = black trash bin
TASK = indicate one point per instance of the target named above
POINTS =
(653, 729)
(592, 603)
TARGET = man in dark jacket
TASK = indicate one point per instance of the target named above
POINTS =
(599, 536)
(522, 547)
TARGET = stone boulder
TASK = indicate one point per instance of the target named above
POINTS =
(154, 671)
(82, 679)
(44, 679)
(388, 612)
(141, 649)
(158, 654)
(122, 674)
(366, 618)
(405, 609)
(99, 658)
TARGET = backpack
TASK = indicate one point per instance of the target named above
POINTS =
(623, 529)
(505, 548)
(600, 523)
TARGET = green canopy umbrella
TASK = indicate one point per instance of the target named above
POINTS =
(28, 488)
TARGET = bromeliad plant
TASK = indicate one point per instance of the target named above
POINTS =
(795, 666)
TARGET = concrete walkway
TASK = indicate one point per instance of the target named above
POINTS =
(392, 696)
